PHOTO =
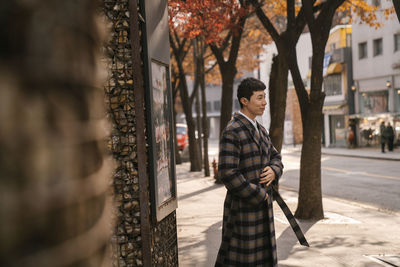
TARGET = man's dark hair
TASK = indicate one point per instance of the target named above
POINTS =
(247, 87)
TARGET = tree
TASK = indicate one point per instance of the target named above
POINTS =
(180, 48)
(396, 4)
(310, 199)
(318, 16)
(285, 42)
(211, 19)
(175, 89)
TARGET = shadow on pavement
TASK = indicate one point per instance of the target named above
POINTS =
(288, 239)
(207, 189)
(211, 243)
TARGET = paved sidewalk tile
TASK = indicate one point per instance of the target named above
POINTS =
(347, 237)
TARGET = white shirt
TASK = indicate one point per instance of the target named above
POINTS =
(254, 122)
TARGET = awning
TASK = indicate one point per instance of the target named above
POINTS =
(334, 68)
(332, 107)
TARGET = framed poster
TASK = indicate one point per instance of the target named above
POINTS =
(162, 162)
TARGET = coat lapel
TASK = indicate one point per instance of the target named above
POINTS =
(265, 143)
(251, 131)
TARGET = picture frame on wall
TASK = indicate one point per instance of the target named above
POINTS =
(162, 163)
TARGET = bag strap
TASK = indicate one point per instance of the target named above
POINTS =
(289, 216)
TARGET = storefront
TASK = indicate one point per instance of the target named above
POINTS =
(368, 128)
(335, 125)
(374, 109)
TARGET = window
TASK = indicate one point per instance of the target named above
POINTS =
(397, 92)
(396, 42)
(209, 106)
(362, 50)
(217, 105)
(377, 47)
(375, 102)
(237, 105)
(333, 85)
(376, 3)
(348, 39)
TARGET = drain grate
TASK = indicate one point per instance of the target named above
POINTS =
(385, 260)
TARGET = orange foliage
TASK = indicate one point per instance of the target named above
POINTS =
(212, 19)
(206, 18)
(366, 12)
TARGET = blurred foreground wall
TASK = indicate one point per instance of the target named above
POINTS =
(63, 200)
(54, 173)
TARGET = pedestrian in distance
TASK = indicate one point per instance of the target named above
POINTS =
(383, 136)
(249, 166)
(351, 138)
(389, 134)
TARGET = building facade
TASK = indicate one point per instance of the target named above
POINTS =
(339, 100)
(376, 68)
(338, 78)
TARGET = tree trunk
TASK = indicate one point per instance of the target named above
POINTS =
(198, 122)
(396, 4)
(228, 72)
(194, 152)
(204, 111)
(310, 195)
(277, 99)
(228, 76)
(197, 62)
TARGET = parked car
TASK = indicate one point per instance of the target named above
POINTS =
(182, 136)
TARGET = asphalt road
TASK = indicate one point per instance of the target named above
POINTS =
(366, 181)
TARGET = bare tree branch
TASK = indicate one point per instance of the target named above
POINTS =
(265, 21)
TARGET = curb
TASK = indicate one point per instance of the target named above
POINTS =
(358, 156)
(347, 155)
(357, 204)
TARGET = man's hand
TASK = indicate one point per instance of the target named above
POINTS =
(267, 176)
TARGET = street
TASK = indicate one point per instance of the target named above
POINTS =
(366, 181)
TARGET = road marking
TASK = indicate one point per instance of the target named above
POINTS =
(362, 173)
(385, 260)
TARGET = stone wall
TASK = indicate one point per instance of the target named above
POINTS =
(127, 241)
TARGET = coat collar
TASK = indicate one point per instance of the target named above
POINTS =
(252, 131)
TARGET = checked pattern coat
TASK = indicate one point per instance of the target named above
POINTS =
(248, 232)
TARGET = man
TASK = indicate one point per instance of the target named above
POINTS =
(249, 166)
(389, 134)
(382, 130)
(351, 138)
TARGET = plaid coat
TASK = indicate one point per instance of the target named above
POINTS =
(248, 232)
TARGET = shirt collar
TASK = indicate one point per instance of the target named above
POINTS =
(253, 122)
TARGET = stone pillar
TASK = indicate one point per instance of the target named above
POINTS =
(139, 239)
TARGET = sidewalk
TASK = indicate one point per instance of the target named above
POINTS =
(351, 234)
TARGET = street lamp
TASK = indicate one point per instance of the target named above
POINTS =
(353, 87)
(388, 84)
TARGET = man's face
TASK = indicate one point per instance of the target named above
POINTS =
(257, 103)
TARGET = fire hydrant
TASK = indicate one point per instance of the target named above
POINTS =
(215, 169)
